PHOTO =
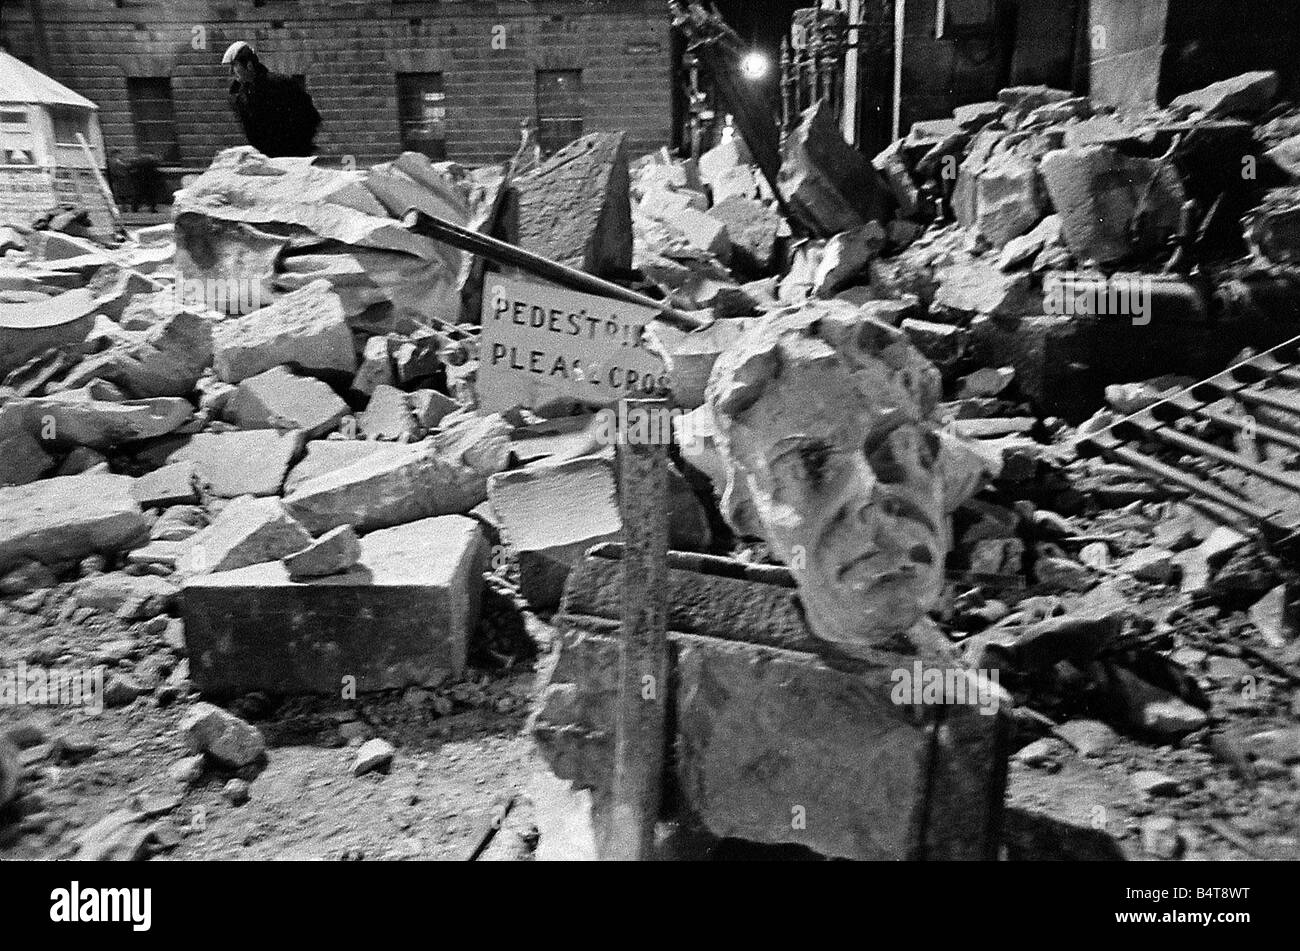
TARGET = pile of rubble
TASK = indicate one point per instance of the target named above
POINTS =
(262, 418)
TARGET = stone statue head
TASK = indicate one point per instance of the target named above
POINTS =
(827, 422)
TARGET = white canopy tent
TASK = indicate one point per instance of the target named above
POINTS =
(42, 160)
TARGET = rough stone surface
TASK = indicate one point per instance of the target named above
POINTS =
(307, 328)
(330, 455)
(65, 519)
(752, 227)
(232, 464)
(222, 736)
(827, 183)
(171, 485)
(1249, 93)
(333, 553)
(401, 617)
(444, 475)
(550, 515)
(280, 399)
(759, 727)
(248, 531)
(1098, 192)
(576, 209)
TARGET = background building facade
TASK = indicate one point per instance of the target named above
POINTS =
(452, 79)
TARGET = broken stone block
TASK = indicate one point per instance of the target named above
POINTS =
(73, 417)
(976, 115)
(402, 617)
(388, 415)
(702, 232)
(942, 344)
(307, 328)
(222, 736)
(167, 360)
(1277, 617)
(893, 167)
(846, 256)
(1022, 100)
(444, 475)
(333, 553)
(280, 399)
(28, 330)
(374, 756)
(329, 455)
(431, 407)
(722, 160)
(783, 726)
(22, 458)
(252, 462)
(249, 531)
(1007, 199)
(1248, 94)
(752, 227)
(575, 209)
(1022, 250)
(376, 367)
(828, 185)
(171, 485)
(142, 596)
(1099, 193)
(979, 287)
(64, 519)
(550, 515)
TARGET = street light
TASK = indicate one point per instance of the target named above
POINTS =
(755, 65)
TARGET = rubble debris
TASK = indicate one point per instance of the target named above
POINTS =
(281, 399)
(1112, 205)
(30, 329)
(248, 531)
(63, 519)
(550, 515)
(827, 184)
(402, 617)
(223, 737)
(576, 208)
(444, 475)
(333, 553)
(374, 756)
(241, 462)
(1249, 94)
(306, 328)
(749, 639)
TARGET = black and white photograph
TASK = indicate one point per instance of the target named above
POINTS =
(864, 431)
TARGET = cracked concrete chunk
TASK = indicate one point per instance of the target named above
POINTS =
(307, 328)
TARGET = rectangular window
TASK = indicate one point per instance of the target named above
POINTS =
(154, 117)
(559, 108)
(422, 114)
(68, 123)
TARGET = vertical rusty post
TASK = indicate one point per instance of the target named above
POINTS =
(640, 723)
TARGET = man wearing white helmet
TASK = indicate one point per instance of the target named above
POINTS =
(275, 111)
